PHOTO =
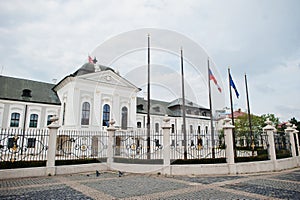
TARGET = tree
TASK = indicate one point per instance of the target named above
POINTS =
(297, 123)
(272, 118)
(242, 128)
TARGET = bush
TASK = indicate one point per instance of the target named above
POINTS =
(22, 164)
(252, 158)
(283, 154)
(199, 161)
(76, 162)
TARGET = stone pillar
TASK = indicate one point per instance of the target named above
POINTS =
(270, 129)
(166, 145)
(110, 143)
(53, 129)
(228, 128)
(290, 131)
(297, 138)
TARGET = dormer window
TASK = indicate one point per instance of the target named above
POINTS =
(156, 109)
(26, 93)
(140, 107)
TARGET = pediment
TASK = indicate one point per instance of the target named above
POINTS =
(108, 77)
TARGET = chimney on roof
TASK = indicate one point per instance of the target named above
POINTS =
(97, 67)
(239, 110)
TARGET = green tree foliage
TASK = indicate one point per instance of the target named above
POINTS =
(258, 122)
(272, 118)
(242, 128)
(297, 123)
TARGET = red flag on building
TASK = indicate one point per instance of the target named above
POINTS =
(90, 59)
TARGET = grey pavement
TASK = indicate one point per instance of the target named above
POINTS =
(275, 185)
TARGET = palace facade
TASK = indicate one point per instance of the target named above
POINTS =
(88, 99)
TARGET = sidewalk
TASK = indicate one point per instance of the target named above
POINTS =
(108, 185)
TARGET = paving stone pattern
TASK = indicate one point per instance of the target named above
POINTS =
(207, 194)
(276, 185)
(49, 192)
(135, 186)
(208, 180)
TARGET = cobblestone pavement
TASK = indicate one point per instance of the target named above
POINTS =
(276, 185)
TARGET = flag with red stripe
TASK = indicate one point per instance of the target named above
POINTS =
(212, 77)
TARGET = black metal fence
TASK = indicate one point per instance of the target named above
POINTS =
(251, 146)
(282, 145)
(81, 144)
(199, 145)
(134, 145)
(23, 145)
(18, 146)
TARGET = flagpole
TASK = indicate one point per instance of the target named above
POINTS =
(232, 117)
(249, 117)
(148, 101)
(183, 108)
(211, 114)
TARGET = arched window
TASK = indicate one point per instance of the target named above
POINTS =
(156, 127)
(173, 128)
(191, 129)
(49, 119)
(33, 121)
(199, 130)
(106, 114)
(139, 124)
(85, 116)
(14, 119)
(124, 118)
(64, 114)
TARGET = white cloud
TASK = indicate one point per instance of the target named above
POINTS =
(42, 40)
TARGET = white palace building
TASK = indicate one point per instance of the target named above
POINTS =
(88, 99)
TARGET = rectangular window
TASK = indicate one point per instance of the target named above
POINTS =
(33, 120)
(139, 124)
(173, 143)
(85, 118)
(173, 128)
(64, 114)
(31, 143)
(199, 130)
(10, 143)
(48, 119)
(156, 127)
(14, 120)
(191, 129)
(106, 113)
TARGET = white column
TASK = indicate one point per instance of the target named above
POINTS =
(50, 165)
(110, 143)
(297, 138)
(166, 127)
(269, 129)
(228, 128)
(290, 131)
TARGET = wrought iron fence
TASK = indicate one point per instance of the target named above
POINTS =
(81, 144)
(199, 145)
(133, 144)
(282, 145)
(255, 145)
(23, 145)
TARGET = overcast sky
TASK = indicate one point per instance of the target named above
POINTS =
(43, 40)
